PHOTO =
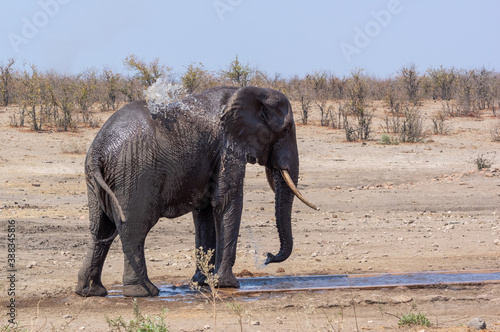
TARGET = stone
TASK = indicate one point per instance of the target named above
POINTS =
(401, 299)
(477, 323)
(434, 298)
(255, 323)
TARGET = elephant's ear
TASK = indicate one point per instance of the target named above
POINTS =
(255, 116)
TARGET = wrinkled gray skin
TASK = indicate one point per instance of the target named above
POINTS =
(190, 157)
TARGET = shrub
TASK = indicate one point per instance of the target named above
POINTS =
(438, 121)
(412, 129)
(388, 140)
(495, 133)
(141, 323)
(203, 263)
(483, 162)
(413, 319)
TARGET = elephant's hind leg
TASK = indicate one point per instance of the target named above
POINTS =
(136, 282)
(103, 232)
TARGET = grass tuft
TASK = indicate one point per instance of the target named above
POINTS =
(140, 323)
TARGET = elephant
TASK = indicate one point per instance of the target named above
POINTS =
(190, 156)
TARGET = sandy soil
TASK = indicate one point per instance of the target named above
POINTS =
(384, 208)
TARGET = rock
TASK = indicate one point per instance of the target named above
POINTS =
(434, 298)
(30, 265)
(206, 327)
(314, 254)
(496, 241)
(255, 323)
(401, 299)
(477, 323)
(375, 299)
(67, 316)
(280, 270)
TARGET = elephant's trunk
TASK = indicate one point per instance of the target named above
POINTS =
(284, 200)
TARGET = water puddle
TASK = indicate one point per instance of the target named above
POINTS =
(324, 282)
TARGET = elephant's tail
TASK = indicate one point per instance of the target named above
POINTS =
(116, 207)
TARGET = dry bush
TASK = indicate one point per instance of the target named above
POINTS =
(300, 91)
(6, 82)
(131, 89)
(495, 133)
(411, 84)
(467, 98)
(356, 92)
(438, 121)
(86, 94)
(146, 73)
(442, 82)
(32, 99)
(318, 83)
(109, 89)
(412, 129)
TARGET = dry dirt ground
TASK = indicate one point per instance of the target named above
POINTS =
(384, 208)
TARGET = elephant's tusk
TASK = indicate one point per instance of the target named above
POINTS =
(269, 176)
(289, 182)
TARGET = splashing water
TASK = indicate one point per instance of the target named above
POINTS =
(162, 93)
(258, 266)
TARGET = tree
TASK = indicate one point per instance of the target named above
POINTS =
(300, 91)
(318, 82)
(239, 74)
(6, 82)
(356, 91)
(63, 91)
(411, 82)
(467, 99)
(442, 81)
(483, 86)
(111, 86)
(146, 73)
(194, 78)
(32, 99)
(86, 93)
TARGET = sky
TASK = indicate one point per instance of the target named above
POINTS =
(289, 37)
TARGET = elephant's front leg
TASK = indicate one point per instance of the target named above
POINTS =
(135, 276)
(227, 227)
(205, 237)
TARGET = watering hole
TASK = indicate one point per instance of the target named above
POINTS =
(250, 286)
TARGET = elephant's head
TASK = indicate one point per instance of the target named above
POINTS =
(260, 122)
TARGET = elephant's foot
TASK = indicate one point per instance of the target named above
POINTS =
(228, 280)
(199, 278)
(91, 290)
(144, 289)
